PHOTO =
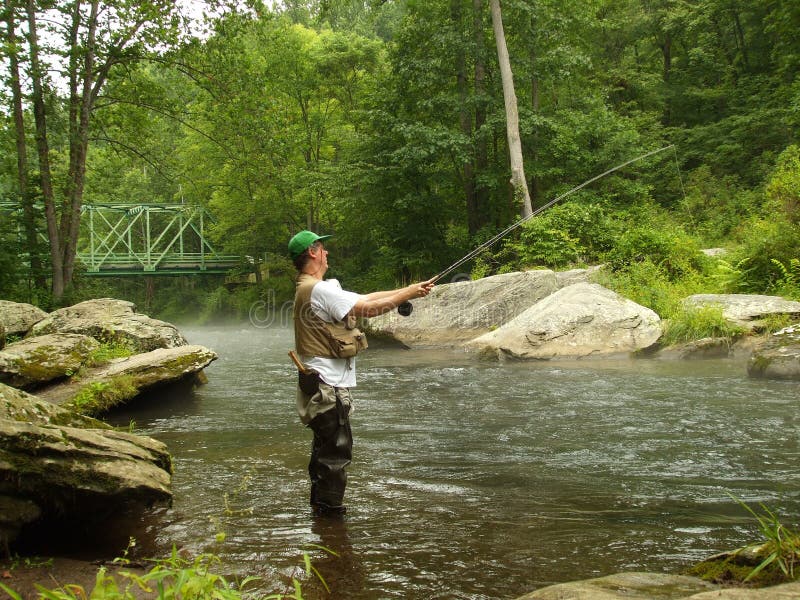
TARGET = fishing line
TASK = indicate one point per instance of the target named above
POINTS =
(406, 308)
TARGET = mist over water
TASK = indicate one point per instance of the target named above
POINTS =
(472, 479)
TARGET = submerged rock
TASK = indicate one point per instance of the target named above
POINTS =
(57, 465)
(17, 317)
(33, 362)
(584, 319)
(625, 586)
(658, 586)
(110, 320)
(456, 312)
(778, 357)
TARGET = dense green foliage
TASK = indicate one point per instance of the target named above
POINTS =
(383, 123)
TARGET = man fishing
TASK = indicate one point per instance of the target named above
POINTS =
(327, 342)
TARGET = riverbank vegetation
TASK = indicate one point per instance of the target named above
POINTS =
(383, 123)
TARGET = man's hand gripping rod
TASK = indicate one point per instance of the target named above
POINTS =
(406, 308)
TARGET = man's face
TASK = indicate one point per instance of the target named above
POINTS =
(320, 255)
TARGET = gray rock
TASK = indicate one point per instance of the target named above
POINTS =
(17, 317)
(456, 312)
(110, 320)
(747, 310)
(51, 469)
(778, 357)
(2, 336)
(33, 362)
(705, 348)
(566, 278)
(584, 319)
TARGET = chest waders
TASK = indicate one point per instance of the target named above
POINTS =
(331, 452)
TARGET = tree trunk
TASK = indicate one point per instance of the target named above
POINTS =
(518, 181)
(78, 170)
(534, 190)
(29, 215)
(44, 155)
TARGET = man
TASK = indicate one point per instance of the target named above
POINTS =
(327, 341)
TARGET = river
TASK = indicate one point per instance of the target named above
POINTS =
(471, 479)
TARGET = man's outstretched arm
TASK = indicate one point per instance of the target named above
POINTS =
(378, 303)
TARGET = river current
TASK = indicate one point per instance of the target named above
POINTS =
(471, 479)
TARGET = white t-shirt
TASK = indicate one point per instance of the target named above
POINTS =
(331, 303)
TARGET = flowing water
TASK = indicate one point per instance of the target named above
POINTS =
(472, 479)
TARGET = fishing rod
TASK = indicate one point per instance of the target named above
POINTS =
(406, 308)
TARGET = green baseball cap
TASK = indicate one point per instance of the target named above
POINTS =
(302, 240)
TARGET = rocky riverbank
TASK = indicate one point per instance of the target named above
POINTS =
(545, 315)
(58, 371)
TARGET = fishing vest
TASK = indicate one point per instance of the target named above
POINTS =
(313, 336)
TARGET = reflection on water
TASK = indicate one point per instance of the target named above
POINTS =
(472, 479)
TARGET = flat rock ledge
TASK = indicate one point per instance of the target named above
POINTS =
(748, 310)
(778, 357)
(657, 586)
(55, 464)
(100, 389)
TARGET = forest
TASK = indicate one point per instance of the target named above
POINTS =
(384, 123)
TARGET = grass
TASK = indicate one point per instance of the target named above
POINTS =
(172, 578)
(99, 396)
(108, 352)
(691, 323)
(771, 561)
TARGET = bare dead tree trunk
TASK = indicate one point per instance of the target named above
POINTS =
(534, 189)
(518, 181)
(43, 151)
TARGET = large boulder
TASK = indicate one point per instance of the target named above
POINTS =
(456, 312)
(102, 388)
(747, 310)
(114, 321)
(17, 318)
(584, 319)
(53, 467)
(33, 362)
(778, 357)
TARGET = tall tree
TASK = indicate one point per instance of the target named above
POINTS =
(518, 181)
(89, 42)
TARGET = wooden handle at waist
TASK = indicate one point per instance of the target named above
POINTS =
(296, 360)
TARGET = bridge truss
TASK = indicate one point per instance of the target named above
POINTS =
(145, 239)
(155, 239)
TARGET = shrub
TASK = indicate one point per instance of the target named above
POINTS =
(783, 188)
(676, 253)
(713, 207)
(764, 258)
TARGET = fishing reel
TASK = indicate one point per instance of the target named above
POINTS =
(405, 309)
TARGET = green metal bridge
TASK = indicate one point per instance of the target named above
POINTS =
(145, 239)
